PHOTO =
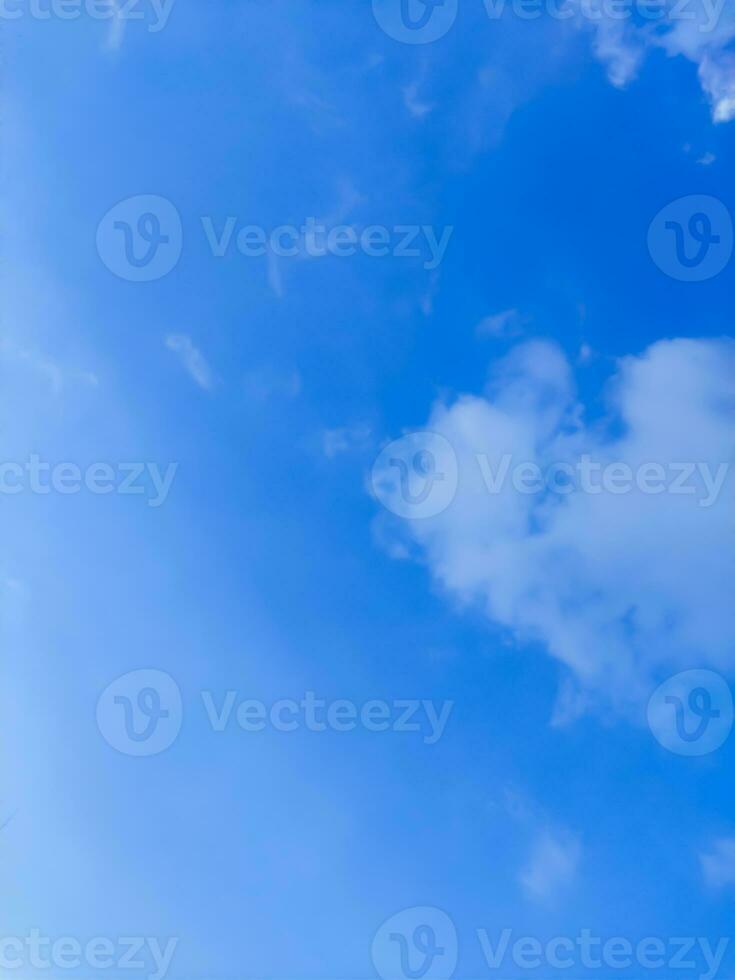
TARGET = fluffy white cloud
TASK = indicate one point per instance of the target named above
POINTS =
(717, 74)
(621, 585)
(700, 30)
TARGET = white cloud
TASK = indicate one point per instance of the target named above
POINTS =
(620, 48)
(702, 33)
(618, 587)
(719, 865)
(717, 75)
(553, 864)
(192, 359)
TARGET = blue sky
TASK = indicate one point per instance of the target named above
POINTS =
(275, 565)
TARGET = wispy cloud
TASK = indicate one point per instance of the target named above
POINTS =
(508, 323)
(344, 440)
(192, 359)
(267, 382)
(116, 29)
(553, 864)
(273, 271)
(718, 865)
(413, 103)
(56, 374)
